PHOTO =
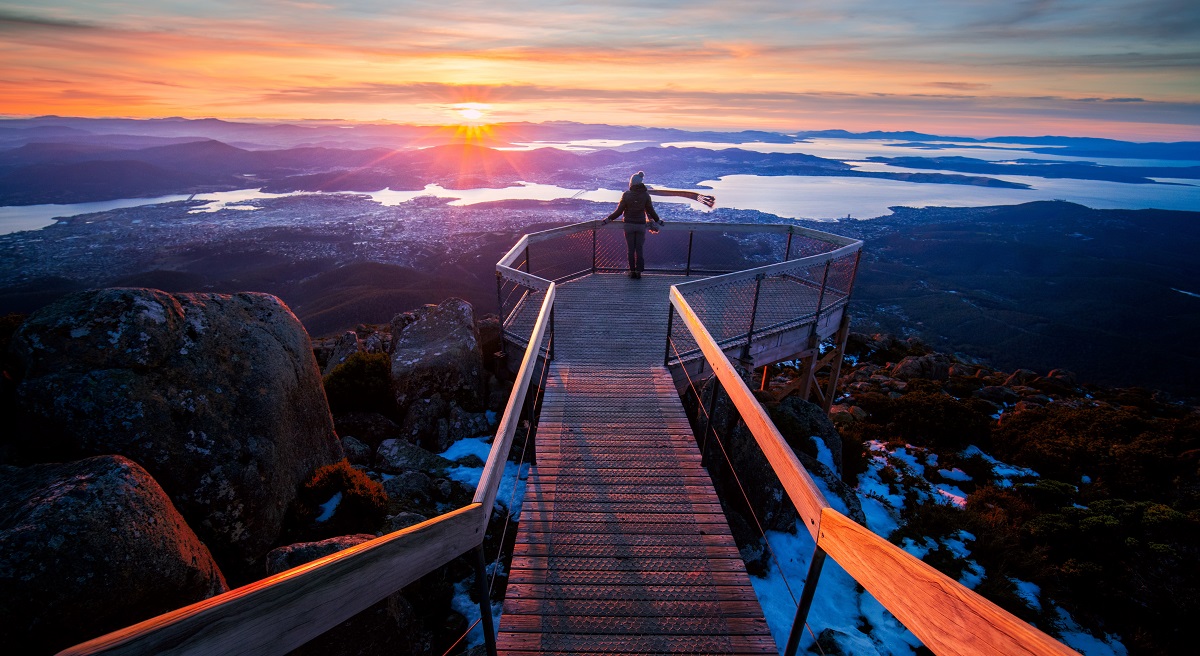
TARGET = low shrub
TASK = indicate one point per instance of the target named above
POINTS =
(363, 383)
(361, 509)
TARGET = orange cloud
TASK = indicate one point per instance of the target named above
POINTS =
(794, 67)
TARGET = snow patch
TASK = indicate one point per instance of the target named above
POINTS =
(1002, 471)
(951, 495)
(471, 446)
(329, 507)
(1030, 593)
(824, 455)
(1075, 637)
(955, 474)
(836, 592)
(511, 490)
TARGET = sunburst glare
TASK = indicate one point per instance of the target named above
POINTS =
(472, 112)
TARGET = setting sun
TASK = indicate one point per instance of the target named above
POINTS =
(472, 112)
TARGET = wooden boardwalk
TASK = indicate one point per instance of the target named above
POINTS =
(622, 545)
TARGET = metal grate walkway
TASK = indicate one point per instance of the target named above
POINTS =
(622, 545)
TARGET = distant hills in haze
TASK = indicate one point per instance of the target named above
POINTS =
(68, 160)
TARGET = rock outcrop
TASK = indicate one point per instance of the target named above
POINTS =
(435, 350)
(89, 547)
(398, 456)
(798, 419)
(346, 346)
(218, 396)
(934, 366)
(294, 555)
(370, 428)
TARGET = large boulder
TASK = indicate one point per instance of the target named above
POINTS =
(491, 339)
(346, 346)
(798, 420)
(217, 396)
(436, 350)
(398, 456)
(425, 424)
(934, 366)
(391, 626)
(369, 427)
(89, 547)
(295, 555)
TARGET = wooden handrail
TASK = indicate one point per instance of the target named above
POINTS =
(948, 617)
(798, 484)
(282, 612)
(493, 470)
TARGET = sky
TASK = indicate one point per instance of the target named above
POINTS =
(1126, 69)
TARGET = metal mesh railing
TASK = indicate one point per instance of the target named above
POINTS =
(736, 309)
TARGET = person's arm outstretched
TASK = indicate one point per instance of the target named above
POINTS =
(694, 195)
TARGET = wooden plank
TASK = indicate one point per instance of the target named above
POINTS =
(801, 489)
(627, 539)
(622, 564)
(635, 608)
(547, 577)
(588, 624)
(600, 494)
(633, 592)
(708, 525)
(282, 612)
(947, 617)
(538, 506)
(617, 550)
(636, 644)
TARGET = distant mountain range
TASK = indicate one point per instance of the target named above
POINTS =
(69, 171)
(53, 159)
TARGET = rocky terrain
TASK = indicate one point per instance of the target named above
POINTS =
(165, 447)
(223, 445)
(1072, 505)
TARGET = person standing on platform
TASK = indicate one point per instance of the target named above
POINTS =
(638, 210)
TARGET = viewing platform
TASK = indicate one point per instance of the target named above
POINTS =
(622, 545)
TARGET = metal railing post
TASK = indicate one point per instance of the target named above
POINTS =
(787, 253)
(594, 231)
(550, 350)
(806, 599)
(821, 295)
(670, 323)
(753, 315)
(708, 417)
(528, 265)
(500, 298)
(688, 270)
(485, 602)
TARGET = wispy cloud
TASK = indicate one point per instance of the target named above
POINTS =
(765, 63)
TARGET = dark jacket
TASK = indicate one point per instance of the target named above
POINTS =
(635, 205)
